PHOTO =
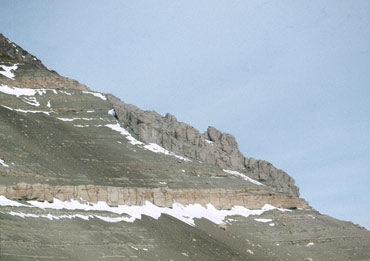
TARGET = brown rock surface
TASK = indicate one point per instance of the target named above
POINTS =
(163, 197)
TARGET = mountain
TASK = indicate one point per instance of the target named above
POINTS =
(84, 175)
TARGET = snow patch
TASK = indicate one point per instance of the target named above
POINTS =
(209, 142)
(158, 149)
(310, 244)
(112, 112)
(17, 91)
(3, 163)
(151, 146)
(263, 220)
(66, 93)
(81, 126)
(50, 216)
(7, 71)
(10, 203)
(27, 111)
(24, 91)
(238, 174)
(75, 119)
(186, 213)
(31, 101)
(125, 133)
(49, 105)
(96, 94)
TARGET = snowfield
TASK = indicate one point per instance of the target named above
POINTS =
(7, 70)
(186, 214)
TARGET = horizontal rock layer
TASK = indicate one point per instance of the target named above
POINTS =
(163, 197)
(211, 147)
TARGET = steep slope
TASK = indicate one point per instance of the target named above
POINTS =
(212, 147)
(85, 176)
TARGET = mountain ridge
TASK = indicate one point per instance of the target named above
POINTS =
(85, 176)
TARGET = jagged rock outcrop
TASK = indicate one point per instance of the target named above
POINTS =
(212, 147)
(162, 197)
(31, 72)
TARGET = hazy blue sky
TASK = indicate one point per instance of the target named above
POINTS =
(290, 79)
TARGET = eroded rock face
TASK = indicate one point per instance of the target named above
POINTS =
(212, 147)
(162, 197)
(10, 50)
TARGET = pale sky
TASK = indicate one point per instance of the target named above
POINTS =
(289, 79)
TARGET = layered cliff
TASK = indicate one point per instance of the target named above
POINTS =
(212, 147)
(220, 198)
(83, 170)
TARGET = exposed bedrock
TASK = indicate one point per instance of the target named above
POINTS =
(212, 147)
(10, 50)
(162, 197)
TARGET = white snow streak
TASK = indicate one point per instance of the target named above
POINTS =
(125, 133)
(27, 111)
(238, 174)
(7, 71)
(3, 163)
(75, 119)
(310, 244)
(81, 126)
(186, 213)
(10, 203)
(112, 112)
(96, 94)
(31, 101)
(263, 220)
(25, 91)
(151, 146)
(66, 93)
(158, 149)
(18, 91)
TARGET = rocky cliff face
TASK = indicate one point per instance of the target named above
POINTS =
(211, 147)
(12, 51)
(162, 197)
(114, 196)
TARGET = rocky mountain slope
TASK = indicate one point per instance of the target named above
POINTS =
(212, 147)
(85, 176)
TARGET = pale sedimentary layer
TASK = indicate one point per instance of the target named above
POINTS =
(163, 197)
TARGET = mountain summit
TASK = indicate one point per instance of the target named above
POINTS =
(84, 175)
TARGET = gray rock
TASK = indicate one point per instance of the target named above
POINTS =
(211, 147)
